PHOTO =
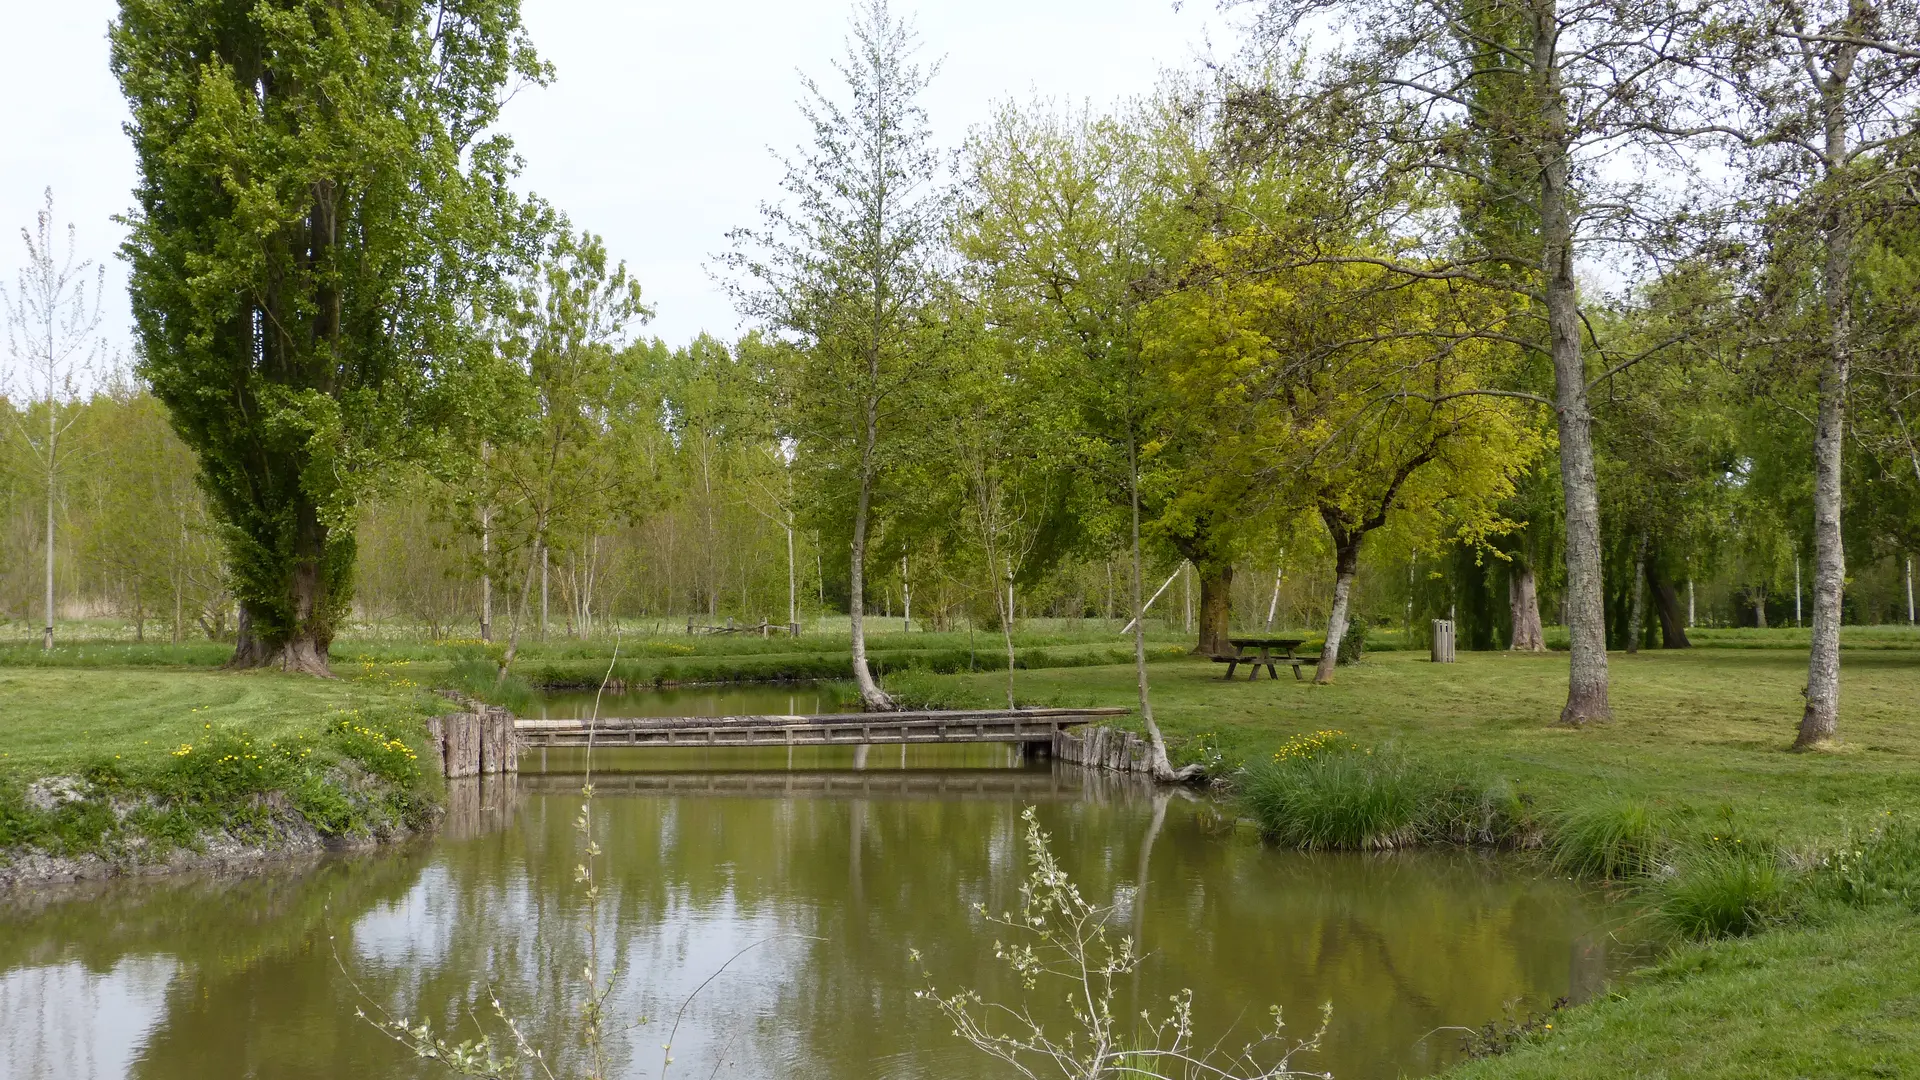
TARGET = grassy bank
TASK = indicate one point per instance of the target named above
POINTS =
(116, 768)
(1788, 883)
(1700, 735)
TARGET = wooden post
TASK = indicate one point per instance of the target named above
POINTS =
(462, 745)
(1442, 641)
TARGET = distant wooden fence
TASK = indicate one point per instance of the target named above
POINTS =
(763, 628)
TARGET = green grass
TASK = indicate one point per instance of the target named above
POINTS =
(159, 758)
(1838, 1000)
(1700, 736)
(59, 719)
(1690, 792)
(1723, 891)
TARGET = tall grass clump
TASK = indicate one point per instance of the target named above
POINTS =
(1724, 891)
(1615, 839)
(1476, 809)
(1320, 792)
(478, 676)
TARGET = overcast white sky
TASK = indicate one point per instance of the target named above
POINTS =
(655, 134)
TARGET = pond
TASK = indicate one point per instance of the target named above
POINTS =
(771, 910)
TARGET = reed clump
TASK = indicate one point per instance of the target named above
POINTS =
(1725, 891)
(1323, 792)
(1614, 839)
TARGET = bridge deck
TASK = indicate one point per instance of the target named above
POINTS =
(832, 729)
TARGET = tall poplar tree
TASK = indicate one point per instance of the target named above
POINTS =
(320, 213)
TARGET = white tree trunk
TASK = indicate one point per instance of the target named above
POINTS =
(1273, 605)
(871, 696)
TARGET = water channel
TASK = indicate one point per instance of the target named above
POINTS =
(798, 892)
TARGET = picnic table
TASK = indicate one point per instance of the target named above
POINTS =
(1259, 652)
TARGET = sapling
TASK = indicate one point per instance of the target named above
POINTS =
(1061, 940)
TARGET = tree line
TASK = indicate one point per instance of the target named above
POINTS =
(1593, 303)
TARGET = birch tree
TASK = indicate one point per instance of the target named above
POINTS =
(1063, 220)
(1818, 99)
(847, 272)
(53, 339)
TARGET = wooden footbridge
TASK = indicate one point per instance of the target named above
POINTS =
(1027, 726)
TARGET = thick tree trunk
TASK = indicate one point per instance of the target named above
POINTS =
(1759, 597)
(1346, 562)
(1523, 602)
(1666, 603)
(302, 605)
(1637, 611)
(1216, 609)
(1586, 609)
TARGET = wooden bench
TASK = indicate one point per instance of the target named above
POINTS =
(1298, 661)
(1234, 662)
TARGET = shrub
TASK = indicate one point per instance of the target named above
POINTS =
(1882, 867)
(1722, 891)
(376, 748)
(1345, 798)
(1613, 839)
(1353, 643)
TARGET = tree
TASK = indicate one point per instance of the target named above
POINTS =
(145, 524)
(554, 468)
(1819, 99)
(1362, 390)
(1067, 223)
(1005, 440)
(1546, 89)
(52, 337)
(848, 275)
(321, 217)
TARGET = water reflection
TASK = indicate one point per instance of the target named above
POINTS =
(808, 895)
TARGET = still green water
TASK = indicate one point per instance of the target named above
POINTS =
(799, 894)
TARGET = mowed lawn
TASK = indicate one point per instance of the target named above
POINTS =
(1702, 732)
(57, 720)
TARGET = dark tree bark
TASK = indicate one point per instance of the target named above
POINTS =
(1637, 611)
(1523, 601)
(1216, 609)
(1666, 603)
